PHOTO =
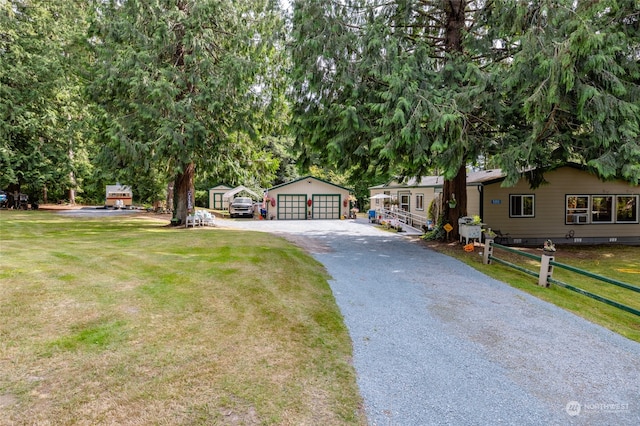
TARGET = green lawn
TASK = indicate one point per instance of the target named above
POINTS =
(127, 321)
(621, 263)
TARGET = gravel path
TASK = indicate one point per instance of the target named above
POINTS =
(437, 343)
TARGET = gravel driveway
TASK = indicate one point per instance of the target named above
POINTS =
(437, 343)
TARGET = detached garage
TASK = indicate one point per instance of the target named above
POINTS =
(307, 198)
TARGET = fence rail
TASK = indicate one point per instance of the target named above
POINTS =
(545, 278)
(596, 276)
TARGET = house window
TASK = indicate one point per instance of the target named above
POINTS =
(602, 209)
(577, 209)
(404, 202)
(419, 202)
(627, 209)
(521, 205)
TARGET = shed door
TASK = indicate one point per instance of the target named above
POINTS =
(326, 206)
(292, 207)
(217, 200)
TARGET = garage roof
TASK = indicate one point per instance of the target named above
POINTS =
(309, 177)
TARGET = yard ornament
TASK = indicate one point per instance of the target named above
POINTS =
(549, 247)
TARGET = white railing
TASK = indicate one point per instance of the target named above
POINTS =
(410, 219)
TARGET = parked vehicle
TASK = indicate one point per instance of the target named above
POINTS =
(241, 206)
(3, 199)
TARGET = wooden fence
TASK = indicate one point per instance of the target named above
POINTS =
(545, 273)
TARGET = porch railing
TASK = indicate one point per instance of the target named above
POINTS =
(409, 219)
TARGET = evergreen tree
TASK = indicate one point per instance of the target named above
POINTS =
(575, 81)
(186, 84)
(42, 115)
(400, 87)
(411, 87)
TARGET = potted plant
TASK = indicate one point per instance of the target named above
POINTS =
(452, 201)
(488, 234)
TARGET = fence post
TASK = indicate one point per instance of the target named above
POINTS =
(488, 251)
(546, 269)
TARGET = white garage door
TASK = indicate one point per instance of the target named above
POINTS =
(326, 206)
(292, 207)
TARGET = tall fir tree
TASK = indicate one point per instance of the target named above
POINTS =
(401, 87)
(410, 87)
(574, 80)
(185, 84)
(43, 55)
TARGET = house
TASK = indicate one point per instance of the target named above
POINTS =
(575, 207)
(415, 195)
(307, 198)
(216, 197)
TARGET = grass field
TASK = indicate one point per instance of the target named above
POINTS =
(621, 263)
(127, 321)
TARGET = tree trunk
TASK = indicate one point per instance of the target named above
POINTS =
(72, 181)
(72, 192)
(184, 193)
(455, 189)
(169, 201)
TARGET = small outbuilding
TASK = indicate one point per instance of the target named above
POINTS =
(307, 198)
(216, 197)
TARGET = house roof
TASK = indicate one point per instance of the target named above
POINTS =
(481, 177)
(308, 177)
(484, 176)
(476, 177)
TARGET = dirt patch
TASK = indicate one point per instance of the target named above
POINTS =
(7, 400)
(57, 207)
(310, 245)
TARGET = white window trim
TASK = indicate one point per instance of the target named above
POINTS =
(588, 211)
(522, 196)
(592, 212)
(615, 209)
